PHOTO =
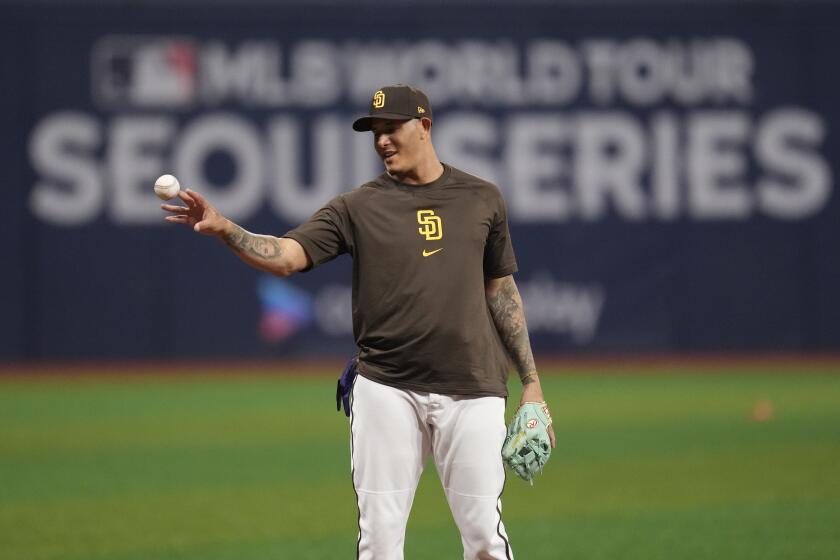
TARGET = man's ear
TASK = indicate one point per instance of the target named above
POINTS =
(426, 123)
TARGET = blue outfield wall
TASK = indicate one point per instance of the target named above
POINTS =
(670, 171)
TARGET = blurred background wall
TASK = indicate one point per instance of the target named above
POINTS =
(670, 168)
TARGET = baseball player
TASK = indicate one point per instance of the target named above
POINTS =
(436, 314)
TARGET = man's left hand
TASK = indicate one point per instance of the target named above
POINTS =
(527, 448)
(532, 392)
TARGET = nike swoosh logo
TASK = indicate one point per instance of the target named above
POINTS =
(430, 253)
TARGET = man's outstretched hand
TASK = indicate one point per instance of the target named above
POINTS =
(200, 214)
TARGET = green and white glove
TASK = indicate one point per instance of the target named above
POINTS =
(528, 446)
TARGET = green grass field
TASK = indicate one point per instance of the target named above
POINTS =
(666, 465)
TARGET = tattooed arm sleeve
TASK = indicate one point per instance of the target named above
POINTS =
(280, 256)
(508, 314)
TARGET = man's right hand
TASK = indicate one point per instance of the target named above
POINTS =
(279, 256)
(200, 214)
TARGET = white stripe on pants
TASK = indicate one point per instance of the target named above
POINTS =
(393, 432)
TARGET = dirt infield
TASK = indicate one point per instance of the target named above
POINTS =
(828, 362)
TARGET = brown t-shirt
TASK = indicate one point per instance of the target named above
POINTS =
(420, 256)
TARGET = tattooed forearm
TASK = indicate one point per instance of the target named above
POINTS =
(507, 311)
(252, 247)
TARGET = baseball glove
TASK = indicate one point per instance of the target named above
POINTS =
(528, 446)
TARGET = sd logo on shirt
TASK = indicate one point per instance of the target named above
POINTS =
(432, 226)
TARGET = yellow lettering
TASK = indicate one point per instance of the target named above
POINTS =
(379, 99)
(432, 226)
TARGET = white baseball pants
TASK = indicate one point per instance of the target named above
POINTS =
(393, 432)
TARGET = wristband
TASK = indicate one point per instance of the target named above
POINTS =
(522, 378)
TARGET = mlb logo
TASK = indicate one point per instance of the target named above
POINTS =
(155, 72)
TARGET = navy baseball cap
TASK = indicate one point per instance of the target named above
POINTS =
(399, 102)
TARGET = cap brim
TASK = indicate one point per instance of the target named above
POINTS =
(363, 124)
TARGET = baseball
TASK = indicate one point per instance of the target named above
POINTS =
(167, 186)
